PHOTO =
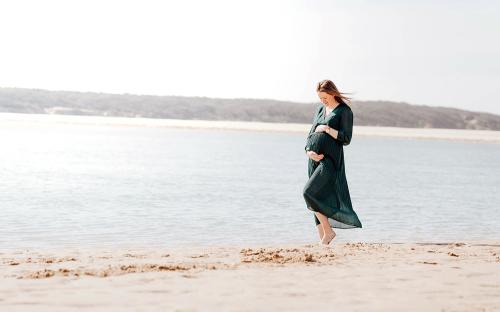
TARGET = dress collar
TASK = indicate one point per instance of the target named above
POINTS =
(324, 110)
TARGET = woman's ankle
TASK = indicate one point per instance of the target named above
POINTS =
(329, 232)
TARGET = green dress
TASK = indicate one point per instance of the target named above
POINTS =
(326, 191)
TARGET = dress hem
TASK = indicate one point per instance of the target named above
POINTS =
(340, 224)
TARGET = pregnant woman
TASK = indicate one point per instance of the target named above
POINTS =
(326, 192)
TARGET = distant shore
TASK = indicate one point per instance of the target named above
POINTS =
(16, 119)
(357, 276)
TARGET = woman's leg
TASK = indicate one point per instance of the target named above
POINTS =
(316, 182)
(321, 233)
(319, 227)
(329, 234)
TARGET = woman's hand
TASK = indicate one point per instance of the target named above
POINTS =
(321, 128)
(315, 156)
(325, 128)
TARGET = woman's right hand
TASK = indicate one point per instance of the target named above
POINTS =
(314, 156)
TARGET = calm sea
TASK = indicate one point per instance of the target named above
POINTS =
(81, 185)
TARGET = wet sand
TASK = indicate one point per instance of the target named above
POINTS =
(357, 276)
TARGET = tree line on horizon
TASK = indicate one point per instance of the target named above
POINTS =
(366, 113)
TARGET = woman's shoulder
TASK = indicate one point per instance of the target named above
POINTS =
(318, 108)
(346, 108)
(344, 105)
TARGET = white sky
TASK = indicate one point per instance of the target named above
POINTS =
(439, 53)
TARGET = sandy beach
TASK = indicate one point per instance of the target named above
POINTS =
(37, 120)
(356, 276)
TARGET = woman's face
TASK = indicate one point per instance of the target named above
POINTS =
(326, 99)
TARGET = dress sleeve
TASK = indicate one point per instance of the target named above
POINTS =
(345, 132)
(313, 127)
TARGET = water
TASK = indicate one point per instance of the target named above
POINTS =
(81, 185)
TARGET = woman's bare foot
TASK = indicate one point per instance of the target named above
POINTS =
(328, 237)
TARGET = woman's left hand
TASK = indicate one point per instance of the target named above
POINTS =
(331, 131)
(321, 128)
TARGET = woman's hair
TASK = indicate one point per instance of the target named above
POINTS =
(329, 87)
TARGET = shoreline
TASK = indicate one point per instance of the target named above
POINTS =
(16, 119)
(495, 242)
(431, 276)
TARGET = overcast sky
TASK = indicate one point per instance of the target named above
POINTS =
(438, 53)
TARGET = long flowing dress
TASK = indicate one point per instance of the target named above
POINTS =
(327, 191)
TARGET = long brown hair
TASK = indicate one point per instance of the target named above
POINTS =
(329, 87)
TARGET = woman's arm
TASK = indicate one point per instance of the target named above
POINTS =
(344, 134)
(313, 127)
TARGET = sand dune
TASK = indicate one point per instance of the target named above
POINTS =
(454, 276)
(30, 120)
